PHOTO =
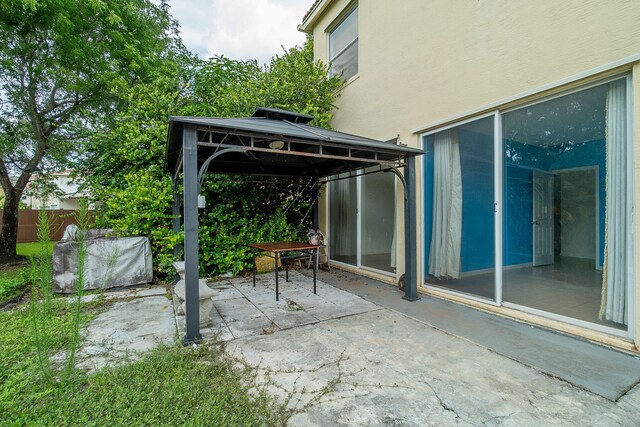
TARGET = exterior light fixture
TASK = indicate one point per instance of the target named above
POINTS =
(276, 145)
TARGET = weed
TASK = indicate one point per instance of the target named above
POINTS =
(40, 306)
(83, 220)
(12, 284)
(171, 385)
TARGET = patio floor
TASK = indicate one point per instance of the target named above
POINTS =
(338, 358)
(240, 310)
(362, 357)
(601, 370)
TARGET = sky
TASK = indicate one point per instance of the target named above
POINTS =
(240, 29)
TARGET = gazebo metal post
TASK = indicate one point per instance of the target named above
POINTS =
(190, 174)
(410, 233)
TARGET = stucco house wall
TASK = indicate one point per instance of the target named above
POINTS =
(423, 64)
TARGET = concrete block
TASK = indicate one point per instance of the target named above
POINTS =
(179, 266)
(205, 291)
(205, 307)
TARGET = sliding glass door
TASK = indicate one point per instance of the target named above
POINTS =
(378, 222)
(362, 221)
(343, 211)
(555, 204)
(567, 205)
(459, 208)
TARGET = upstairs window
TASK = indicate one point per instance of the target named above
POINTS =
(343, 46)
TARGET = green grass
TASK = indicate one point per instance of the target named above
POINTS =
(33, 248)
(170, 386)
(13, 279)
(12, 283)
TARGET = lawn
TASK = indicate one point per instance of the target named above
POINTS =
(34, 248)
(13, 279)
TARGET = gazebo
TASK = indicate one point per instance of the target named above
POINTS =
(275, 142)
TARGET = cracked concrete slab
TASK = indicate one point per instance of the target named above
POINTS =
(601, 370)
(242, 310)
(382, 368)
(359, 363)
(126, 330)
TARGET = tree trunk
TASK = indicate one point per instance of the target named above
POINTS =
(9, 234)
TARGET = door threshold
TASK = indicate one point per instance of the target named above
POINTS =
(607, 340)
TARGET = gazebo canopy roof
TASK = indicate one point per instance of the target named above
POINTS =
(278, 142)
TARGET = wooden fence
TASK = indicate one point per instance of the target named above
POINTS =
(28, 223)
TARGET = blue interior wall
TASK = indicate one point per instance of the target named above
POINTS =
(520, 159)
(518, 214)
(476, 160)
(477, 169)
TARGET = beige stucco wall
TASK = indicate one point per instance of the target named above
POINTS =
(424, 62)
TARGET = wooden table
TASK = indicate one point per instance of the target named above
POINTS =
(277, 250)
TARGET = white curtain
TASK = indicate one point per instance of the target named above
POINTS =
(614, 287)
(444, 255)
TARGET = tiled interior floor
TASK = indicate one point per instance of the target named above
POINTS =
(571, 287)
(241, 310)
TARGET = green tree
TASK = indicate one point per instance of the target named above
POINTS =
(125, 163)
(63, 65)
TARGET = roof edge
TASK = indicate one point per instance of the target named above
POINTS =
(312, 15)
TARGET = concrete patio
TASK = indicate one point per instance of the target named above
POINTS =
(338, 359)
(348, 358)
(241, 310)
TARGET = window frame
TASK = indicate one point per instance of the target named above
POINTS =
(348, 11)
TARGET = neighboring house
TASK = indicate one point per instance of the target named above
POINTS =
(526, 111)
(66, 195)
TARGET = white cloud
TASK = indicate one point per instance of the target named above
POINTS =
(240, 29)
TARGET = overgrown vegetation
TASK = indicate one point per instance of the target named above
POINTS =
(124, 164)
(170, 386)
(40, 384)
(101, 105)
(12, 283)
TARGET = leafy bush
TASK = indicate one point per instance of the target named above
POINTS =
(124, 164)
(143, 208)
